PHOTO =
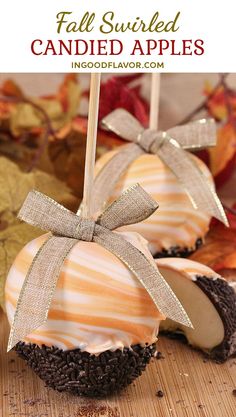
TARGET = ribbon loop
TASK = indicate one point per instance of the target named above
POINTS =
(133, 206)
(41, 211)
(123, 124)
(41, 280)
(195, 135)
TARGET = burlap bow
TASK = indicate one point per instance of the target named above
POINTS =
(67, 229)
(169, 146)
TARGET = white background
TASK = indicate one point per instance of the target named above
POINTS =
(24, 20)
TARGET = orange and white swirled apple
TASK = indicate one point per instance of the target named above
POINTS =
(176, 222)
(98, 303)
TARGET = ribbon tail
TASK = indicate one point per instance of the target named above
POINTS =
(37, 291)
(108, 177)
(133, 206)
(147, 273)
(201, 193)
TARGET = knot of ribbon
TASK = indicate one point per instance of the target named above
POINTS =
(85, 230)
(150, 140)
(67, 229)
(171, 147)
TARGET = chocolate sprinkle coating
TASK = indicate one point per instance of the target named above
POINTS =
(160, 394)
(223, 298)
(178, 252)
(82, 373)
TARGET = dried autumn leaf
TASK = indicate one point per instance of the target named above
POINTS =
(67, 154)
(116, 92)
(12, 239)
(5, 112)
(23, 117)
(68, 94)
(221, 104)
(11, 89)
(106, 140)
(64, 106)
(221, 101)
(23, 154)
(27, 114)
(224, 151)
(14, 187)
(216, 104)
(219, 250)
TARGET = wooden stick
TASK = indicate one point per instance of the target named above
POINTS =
(155, 101)
(91, 144)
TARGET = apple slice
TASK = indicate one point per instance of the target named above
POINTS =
(210, 302)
